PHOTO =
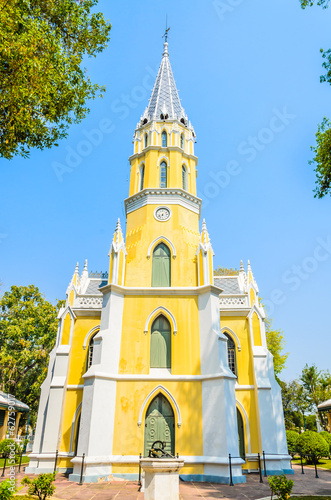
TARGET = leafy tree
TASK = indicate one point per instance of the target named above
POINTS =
(280, 486)
(276, 343)
(322, 154)
(327, 436)
(43, 86)
(291, 437)
(28, 327)
(312, 445)
(9, 445)
(317, 386)
(42, 486)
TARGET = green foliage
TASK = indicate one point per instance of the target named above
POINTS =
(42, 486)
(7, 445)
(7, 490)
(317, 388)
(43, 86)
(28, 327)
(327, 436)
(322, 151)
(276, 343)
(312, 444)
(310, 3)
(291, 437)
(280, 486)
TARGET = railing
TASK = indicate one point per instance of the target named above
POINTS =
(233, 301)
(5, 456)
(88, 301)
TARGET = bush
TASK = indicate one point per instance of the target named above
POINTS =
(291, 437)
(7, 490)
(8, 445)
(327, 436)
(41, 486)
(280, 486)
(312, 445)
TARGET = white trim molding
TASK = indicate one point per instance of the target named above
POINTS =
(167, 313)
(227, 329)
(160, 389)
(93, 330)
(160, 239)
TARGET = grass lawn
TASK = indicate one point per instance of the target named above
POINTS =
(25, 460)
(307, 498)
(323, 463)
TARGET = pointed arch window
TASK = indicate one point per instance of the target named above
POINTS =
(142, 177)
(160, 343)
(145, 141)
(164, 139)
(184, 177)
(232, 359)
(163, 175)
(89, 360)
(161, 267)
(182, 141)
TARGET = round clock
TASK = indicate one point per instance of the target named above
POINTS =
(162, 214)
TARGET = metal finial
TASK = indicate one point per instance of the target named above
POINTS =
(165, 36)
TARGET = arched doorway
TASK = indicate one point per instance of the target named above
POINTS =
(160, 424)
(241, 435)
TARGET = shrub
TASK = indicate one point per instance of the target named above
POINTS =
(7, 490)
(327, 436)
(280, 486)
(312, 445)
(41, 486)
(291, 437)
(8, 445)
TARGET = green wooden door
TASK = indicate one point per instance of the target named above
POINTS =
(161, 269)
(160, 424)
(241, 435)
(161, 343)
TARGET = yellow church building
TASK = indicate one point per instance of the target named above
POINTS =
(158, 349)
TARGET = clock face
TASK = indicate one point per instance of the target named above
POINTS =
(162, 213)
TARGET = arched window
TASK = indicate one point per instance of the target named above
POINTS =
(182, 139)
(142, 177)
(231, 354)
(161, 268)
(145, 141)
(184, 178)
(164, 139)
(163, 175)
(89, 360)
(241, 435)
(160, 343)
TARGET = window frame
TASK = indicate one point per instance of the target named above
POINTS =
(232, 363)
(184, 178)
(163, 168)
(164, 139)
(141, 177)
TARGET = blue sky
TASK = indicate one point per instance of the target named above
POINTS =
(248, 76)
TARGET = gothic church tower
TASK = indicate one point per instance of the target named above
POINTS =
(140, 354)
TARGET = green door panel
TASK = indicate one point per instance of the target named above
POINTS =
(161, 267)
(160, 424)
(160, 343)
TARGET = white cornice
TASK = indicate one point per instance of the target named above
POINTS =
(162, 196)
(159, 148)
(146, 377)
(170, 291)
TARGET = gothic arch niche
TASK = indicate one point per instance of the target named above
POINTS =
(160, 354)
(241, 434)
(161, 266)
(160, 424)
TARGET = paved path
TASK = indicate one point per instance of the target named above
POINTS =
(303, 484)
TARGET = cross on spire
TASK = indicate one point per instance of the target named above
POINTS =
(165, 36)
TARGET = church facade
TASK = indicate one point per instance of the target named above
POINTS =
(158, 348)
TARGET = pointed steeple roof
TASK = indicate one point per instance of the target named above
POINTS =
(165, 99)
